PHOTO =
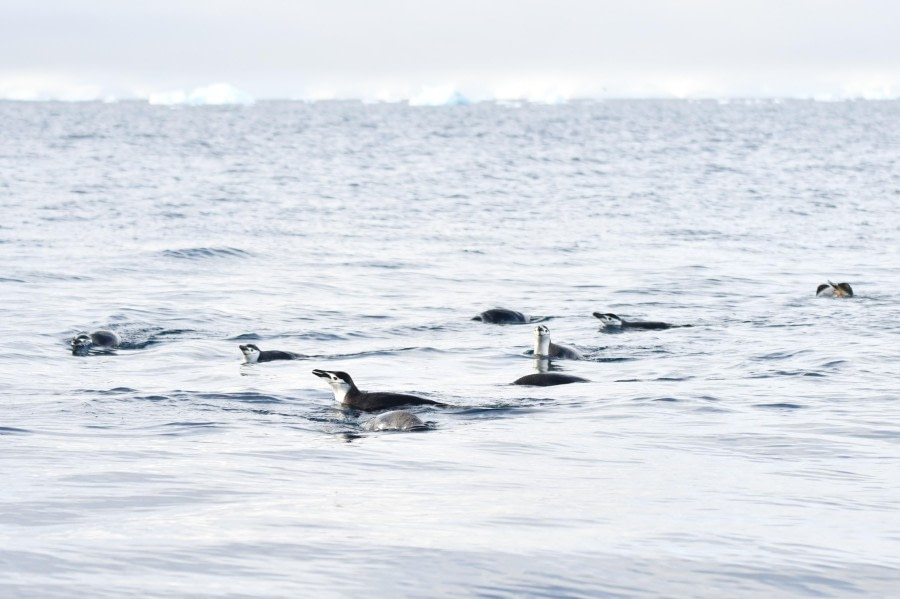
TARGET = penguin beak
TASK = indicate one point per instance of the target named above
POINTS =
(321, 374)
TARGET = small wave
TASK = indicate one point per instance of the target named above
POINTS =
(781, 355)
(834, 363)
(54, 276)
(11, 430)
(152, 398)
(378, 352)
(534, 319)
(78, 136)
(172, 429)
(246, 337)
(425, 327)
(6, 280)
(245, 397)
(251, 397)
(712, 410)
(202, 253)
(384, 265)
(774, 373)
(590, 358)
(779, 406)
(113, 391)
(491, 411)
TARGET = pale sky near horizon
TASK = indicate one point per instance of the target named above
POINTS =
(392, 49)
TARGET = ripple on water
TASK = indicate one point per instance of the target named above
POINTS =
(206, 253)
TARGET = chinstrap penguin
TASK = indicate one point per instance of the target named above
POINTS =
(502, 316)
(348, 394)
(612, 321)
(84, 342)
(544, 348)
(834, 290)
(252, 354)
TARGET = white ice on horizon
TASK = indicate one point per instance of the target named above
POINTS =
(874, 85)
(444, 95)
(217, 94)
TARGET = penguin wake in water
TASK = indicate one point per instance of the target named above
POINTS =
(348, 394)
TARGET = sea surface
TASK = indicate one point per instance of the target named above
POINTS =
(755, 453)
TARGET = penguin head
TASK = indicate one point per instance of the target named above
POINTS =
(251, 353)
(81, 344)
(610, 320)
(340, 382)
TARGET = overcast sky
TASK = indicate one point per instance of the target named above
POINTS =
(390, 49)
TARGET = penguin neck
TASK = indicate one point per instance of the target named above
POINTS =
(542, 345)
(344, 391)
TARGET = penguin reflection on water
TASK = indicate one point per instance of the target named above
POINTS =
(349, 396)
(834, 290)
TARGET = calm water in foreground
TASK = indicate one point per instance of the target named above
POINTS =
(756, 453)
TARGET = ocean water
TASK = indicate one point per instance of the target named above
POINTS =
(755, 453)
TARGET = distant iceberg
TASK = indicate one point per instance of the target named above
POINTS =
(439, 96)
(217, 94)
(168, 98)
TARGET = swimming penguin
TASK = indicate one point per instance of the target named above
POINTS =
(544, 348)
(349, 396)
(832, 290)
(502, 316)
(252, 354)
(548, 379)
(83, 342)
(395, 420)
(614, 322)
